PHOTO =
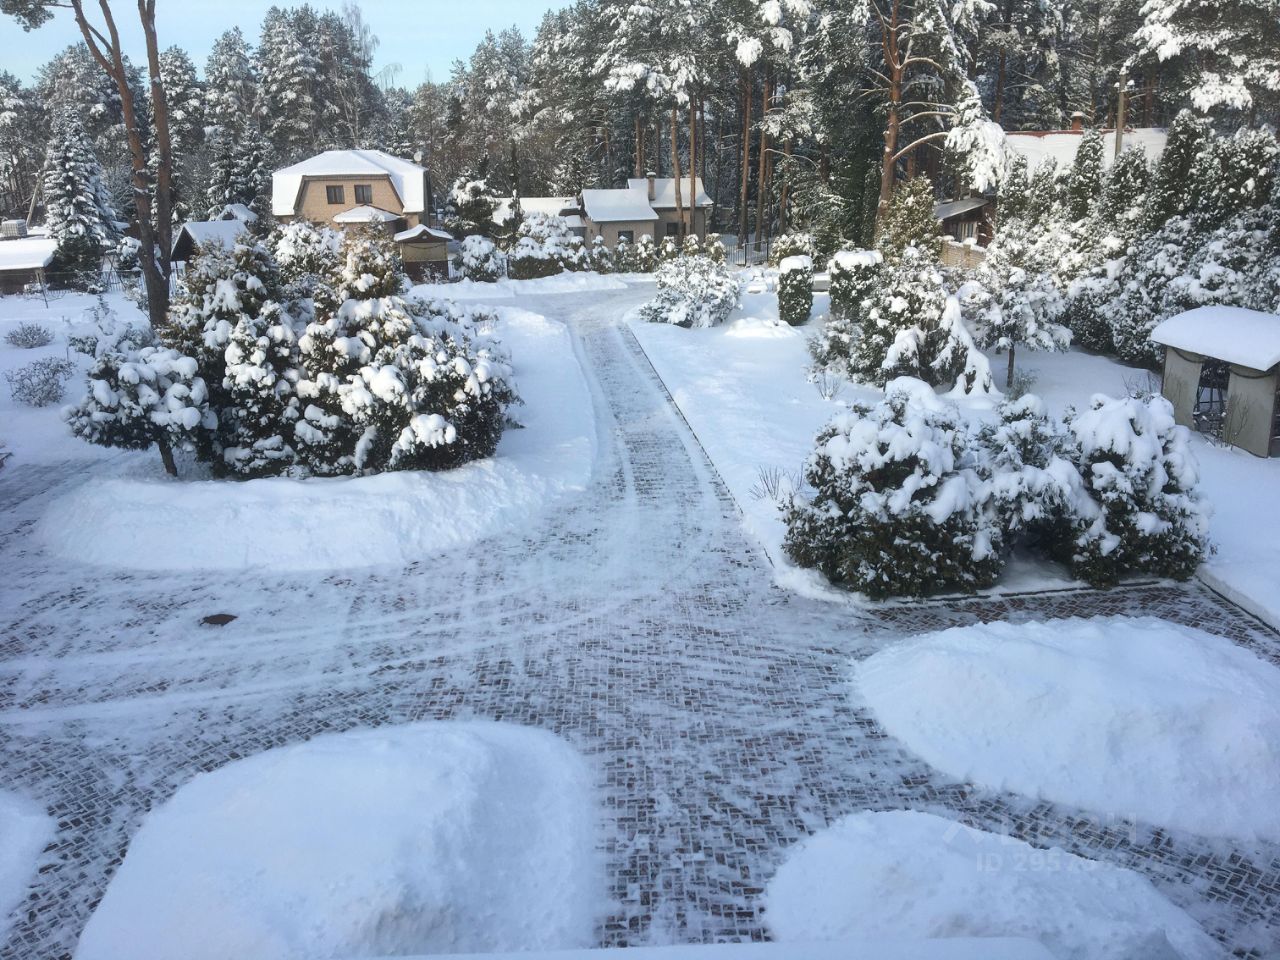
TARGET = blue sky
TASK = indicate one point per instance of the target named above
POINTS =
(419, 35)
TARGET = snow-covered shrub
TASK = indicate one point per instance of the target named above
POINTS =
(106, 333)
(599, 258)
(40, 383)
(693, 292)
(308, 255)
(544, 246)
(855, 274)
(393, 384)
(1137, 466)
(259, 395)
(791, 245)
(645, 257)
(469, 211)
(77, 264)
(909, 222)
(715, 249)
(153, 396)
(481, 260)
(1154, 262)
(899, 503)
(669, 250)
(29, 336)
(915, 328)
(624, 257)
(795, 289)
(692, 246)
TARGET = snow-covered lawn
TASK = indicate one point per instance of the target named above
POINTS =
(905, 873)
(133, 520)
(744, 389)
(569, 282)
(1139, 719)
(37, 434)
(25, 829)
(426, 838)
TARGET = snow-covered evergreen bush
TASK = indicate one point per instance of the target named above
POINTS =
(669, 250)
(544, 246)
(795, 289)
(78, 210)
(599, 258)
(307, 255)
(693, 292)
(792, 245)
(899, 504)
(106, 333)
(645, 256)
(134, 400)
(715, 249)
(480, 260)
(470, 208)
(260, 407)
(909, 223)
(1084, 180)
(692, 246)
(624, 257)
(1137, 466)
(28, 336)
(41, 382)
(855, 275)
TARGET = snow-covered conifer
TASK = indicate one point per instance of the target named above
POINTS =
(78, 210)
(645, 255)
(795, 289)
(480, 259)
(693, 292)
(909, 222)
(1084, 181)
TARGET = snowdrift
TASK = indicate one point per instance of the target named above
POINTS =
(319, 524)
(427, 838)
(25, 830)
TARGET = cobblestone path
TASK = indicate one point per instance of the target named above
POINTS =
(637, 622)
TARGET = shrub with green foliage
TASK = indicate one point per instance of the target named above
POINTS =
(693, 292)
(791, 245)
(795, 290)
(645, 256)
(909, 223)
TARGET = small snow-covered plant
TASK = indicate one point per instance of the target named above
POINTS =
(624, 257)
(693, 292)
(795, 289)
(692, 246)
(646, 255)
(104, 332)
(40, 383)
(544, 246)
(909, 223)
(855, 274)
(714, 248)
(669, 250)
(308, 256)
(153, 396)
(599, 258)
(480, 260)
(1137, 466)
(899, 505)
(29, 336)
(259, 394)
(791, 245)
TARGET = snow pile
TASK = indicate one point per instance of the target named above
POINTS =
(317, 523)
(1140, 719)
(910, 874)
(25, 830)
(582, 282)
(428, 838)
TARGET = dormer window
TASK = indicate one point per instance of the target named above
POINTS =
(336, 195)
(364, 193)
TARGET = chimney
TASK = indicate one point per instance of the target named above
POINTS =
(1077, 122)
(653, 190)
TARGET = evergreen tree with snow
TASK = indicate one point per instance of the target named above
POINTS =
(1084, 181)
(1172, 185)
(856, 275)
(1122, 205)
(239, 170)
(900, 504)
(231, 85)
(470, 208)
(78, 211)
(646, 255)
(309, 256)
(185, 98)
(910, 222)
(287, 91)
(259, 394)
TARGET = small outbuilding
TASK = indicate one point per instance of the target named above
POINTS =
(1222, 374)
(425, 253)
(24, 260)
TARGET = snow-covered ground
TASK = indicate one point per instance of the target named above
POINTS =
(25, 829)
(744, 389)
(904, 873)
(426, 838)
(897, 948)
(1136, 719)
(136, 518)
(569, 282)
(37, 434)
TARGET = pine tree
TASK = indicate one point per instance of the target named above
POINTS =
(286, 70)
(185, 98)
(1084, 183)
(78, 211)
(910, 222)
(231, 86)
(239, 170)
(1172, 185)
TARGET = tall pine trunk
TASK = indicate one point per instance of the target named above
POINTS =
(762, 162)
(675, 169)
(693, 166)
(746, 157)
(639, 151)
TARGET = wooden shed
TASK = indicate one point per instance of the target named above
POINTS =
(425, 252)
(24, 261)
(1222, 374)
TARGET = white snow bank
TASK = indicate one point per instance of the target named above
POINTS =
(1140, 719)
(428, 838)
(25, 830)
(905, 873)
(569, 282)
(986, 948)
(766, 328)
(318, 524)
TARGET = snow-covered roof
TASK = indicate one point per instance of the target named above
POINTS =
(204, 232)
(1060, 146)
(1247, 338)
(365, 214)
(422, 232)
(611, 206)
(409, 179)
(28, 253)
(548, 205)
(237, 211)
(664, 191)
(953, 208)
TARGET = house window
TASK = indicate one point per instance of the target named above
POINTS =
(335, 194)
(364, 193)
(628, 235)
(969, 230)
(673, 229)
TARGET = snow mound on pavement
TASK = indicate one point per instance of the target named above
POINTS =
(572, 282)
(25, 830)
(1140, 719)
(328, 523)
(908, 874)
(767, 328)
(427, 838)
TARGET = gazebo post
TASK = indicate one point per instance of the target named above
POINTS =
(1180, 384)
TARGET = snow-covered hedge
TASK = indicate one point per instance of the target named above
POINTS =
(480, 259)
(693, 292)
(791, 245)
(795, 289)
(855, 274)
(900, 506)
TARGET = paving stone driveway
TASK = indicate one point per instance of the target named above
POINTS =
(636, 621)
